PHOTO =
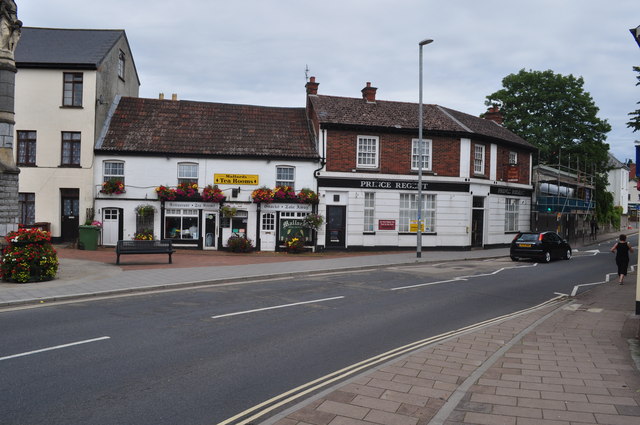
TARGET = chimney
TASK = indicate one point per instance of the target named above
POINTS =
(312, 86)
(369, 93)
(161, 96)
(174, 96)
(494, 114)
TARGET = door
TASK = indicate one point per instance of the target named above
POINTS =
(111, 226)
(210, 230)
(477, 222)
(336, 227)
(268, 232)
(70, 220)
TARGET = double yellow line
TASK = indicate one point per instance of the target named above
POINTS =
(280, 400)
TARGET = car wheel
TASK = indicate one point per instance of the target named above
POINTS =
(547, 257)
(514, 258)
(567, 255)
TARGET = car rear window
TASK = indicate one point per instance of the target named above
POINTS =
(528, 237)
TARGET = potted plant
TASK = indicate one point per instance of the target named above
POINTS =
(112, 187)
(262, 194)
(294, 245)
(239, 244)
(144, 235)
(284, 194)
(313, 221)
(228, 212)
(307, 196)
(188, 190)
(29, 257)
(165, 193)
(145, 210)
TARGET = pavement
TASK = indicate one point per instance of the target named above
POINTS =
(575, 361)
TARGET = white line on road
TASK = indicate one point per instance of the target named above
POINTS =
(274, 307)
(87, 341)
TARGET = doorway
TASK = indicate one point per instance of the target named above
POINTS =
(70, 219)
(477, 222)
(111, 226)
(336, 227)
(210, 230)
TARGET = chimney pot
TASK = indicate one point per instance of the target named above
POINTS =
(161, 96)
(174, 96)
(494, 114)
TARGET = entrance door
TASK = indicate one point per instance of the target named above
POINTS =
(70, 220)
(336, 226)
(111, 226)
(210, 230)
(268, 233)
(477, 222)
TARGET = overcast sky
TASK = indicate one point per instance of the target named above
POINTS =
(256, 51)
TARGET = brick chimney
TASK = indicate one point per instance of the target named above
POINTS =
(369, 93)
(494, 114)
(312, 86)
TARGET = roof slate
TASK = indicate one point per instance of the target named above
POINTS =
(207, 129)
(346, 111)
(75, 48)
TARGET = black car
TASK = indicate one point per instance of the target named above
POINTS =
(543, 246)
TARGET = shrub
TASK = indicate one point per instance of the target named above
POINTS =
(239, 244)
(29, 257)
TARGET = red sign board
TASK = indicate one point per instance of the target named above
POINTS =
(386, 225)
(513, 174)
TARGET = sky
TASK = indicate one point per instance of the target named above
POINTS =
(260, 52)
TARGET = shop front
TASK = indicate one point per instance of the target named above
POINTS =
(191, 224)
(281, 222)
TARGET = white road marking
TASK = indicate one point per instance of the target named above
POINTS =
(57, 347)
(274, 307)
(461, 278)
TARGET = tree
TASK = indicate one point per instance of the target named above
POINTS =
(555, 114)
(635, 120)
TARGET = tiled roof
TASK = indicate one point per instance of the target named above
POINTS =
(73, 48)
(207, 129)
(345, 111)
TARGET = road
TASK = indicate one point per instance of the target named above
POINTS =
(202, 356)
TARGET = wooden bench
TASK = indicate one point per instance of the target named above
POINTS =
(144, 247)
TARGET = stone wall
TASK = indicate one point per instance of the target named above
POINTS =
(9, 210)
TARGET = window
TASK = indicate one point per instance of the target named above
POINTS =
(187, 173)
(426, 154)
(72, 92)
(121, 62)
(70, 148)
(113, 170)
(367, 154)
(409, 212)
(286, 176)
(511, 215)
(478, 159)
(27, 148)
(27, 203)
(268, 221)
(369, 211)
(513, 158)
(181, 224)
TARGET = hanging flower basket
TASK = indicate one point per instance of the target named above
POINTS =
(213, 194)
(112, 187)
(186, 190)
(165, 193)
(263, 194)
(307, 196)
(284, 194)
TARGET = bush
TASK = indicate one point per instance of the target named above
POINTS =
(30, 257)
(239, 244)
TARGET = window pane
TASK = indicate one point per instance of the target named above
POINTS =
(367, 152)
(285, 176)
(369, 211)
(426, 154)
(188, 171)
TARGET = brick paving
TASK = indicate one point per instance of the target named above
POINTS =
(566, 364)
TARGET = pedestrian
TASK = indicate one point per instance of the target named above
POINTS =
(594, 228)
(622, 250)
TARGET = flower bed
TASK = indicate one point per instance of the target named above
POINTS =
(30, 257)
(294, 245)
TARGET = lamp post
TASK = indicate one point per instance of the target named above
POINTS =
(420, 156)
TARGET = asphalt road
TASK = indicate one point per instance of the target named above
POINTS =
(200, 356)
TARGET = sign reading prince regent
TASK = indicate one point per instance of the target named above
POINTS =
(398, 185)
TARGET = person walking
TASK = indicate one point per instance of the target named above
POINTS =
(622, 250)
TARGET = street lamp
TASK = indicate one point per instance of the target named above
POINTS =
(420, 156)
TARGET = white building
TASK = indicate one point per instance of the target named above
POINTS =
(65, 83)
(148, 143)
(618, 184)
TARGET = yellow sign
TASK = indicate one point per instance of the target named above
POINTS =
(251, 179)
(413, 226)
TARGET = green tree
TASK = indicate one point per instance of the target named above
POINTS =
(635, 120)
(555, 114)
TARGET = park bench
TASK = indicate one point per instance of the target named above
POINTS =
(144, 247)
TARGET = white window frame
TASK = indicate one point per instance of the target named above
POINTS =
(408, 211)
(369, 211)
(108, 173)
(268, 221)
(286, 180)
(513, 158)
(511, 214)
(426, 154)
(478, 159)
(367, 152)
(187, 177)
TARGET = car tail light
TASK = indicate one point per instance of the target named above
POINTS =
(540, 237)
(515, 237)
